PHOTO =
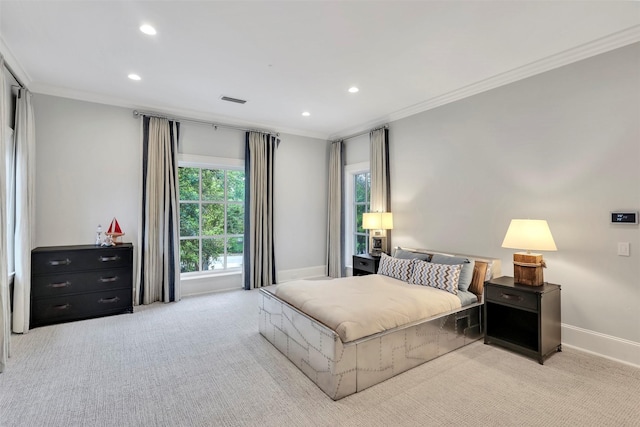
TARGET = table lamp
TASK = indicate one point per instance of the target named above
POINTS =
(531, 235)
(377, 222)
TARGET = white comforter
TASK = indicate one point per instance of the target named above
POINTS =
(355, 307)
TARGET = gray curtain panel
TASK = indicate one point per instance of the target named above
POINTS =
(335, 217)
(380, 178)
(5, 328)
(24, 236)
(259, 256)
(158, 248)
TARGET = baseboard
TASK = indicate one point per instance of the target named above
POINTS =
(302, 273)
(610, 347)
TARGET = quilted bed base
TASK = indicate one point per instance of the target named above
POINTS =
(340, 369)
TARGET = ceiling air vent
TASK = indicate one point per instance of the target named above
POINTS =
(236, 100)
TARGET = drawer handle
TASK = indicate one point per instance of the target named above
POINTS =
(108, 258)
(363, 262)
(108, 300)
(109, 279)
(59, 285)
(56, 262)
(62, 306)
(511, 297)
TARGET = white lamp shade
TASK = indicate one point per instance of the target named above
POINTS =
(529, 234)
(377, 221)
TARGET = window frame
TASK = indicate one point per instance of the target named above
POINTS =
(350, 171)
(207, 162)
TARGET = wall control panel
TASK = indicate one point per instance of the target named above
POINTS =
(624, 217)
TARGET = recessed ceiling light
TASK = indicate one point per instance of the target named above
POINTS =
(148, 29)
(134, 77)
(306, 114)
(353, 89)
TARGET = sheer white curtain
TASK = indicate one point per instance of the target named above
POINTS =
(259, 254)
(158, 243)
(335, 217)
(5, 328)
(25, 209)
(380, 179)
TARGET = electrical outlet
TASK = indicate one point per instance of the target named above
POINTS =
(623, 248)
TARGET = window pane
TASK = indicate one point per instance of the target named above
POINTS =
(189, 180)
(235, 186)
(235, 219)
(189, 219)
(213, 185)
(360, 209)
(212, 254)
(361, 244)
(189, 255)
(361, 188)
(212, 219)
(235, 250)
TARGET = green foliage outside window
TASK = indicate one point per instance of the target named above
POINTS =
(362, 193)
(211, 219)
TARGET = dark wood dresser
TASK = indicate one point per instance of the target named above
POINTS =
(80, 282)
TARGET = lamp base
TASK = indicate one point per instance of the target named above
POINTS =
(527, 269)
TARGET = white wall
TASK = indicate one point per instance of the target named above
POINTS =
(88, 171)
(562, 146)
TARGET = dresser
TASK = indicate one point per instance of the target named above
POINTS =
(523, 318)
(80, 282)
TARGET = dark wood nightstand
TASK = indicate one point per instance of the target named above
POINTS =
(523, 318)
(364, 264)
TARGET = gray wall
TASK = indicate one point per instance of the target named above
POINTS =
(89, 166)
(562, 146)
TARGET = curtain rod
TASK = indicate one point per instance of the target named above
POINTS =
(137, 113)
(385, 126)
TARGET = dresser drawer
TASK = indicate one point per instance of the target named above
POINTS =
(80, 282)
(60, 260)
(73, 307)
(513, 297)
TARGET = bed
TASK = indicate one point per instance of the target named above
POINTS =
(351, 333)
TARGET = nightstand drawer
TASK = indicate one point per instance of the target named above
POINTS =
(364, 264)
(513, 297)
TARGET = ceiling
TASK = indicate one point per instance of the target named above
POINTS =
(288, 57)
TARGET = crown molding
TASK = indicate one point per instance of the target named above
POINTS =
(569, 56)
(14, 65)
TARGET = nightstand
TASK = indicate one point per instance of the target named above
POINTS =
(364, 264)
(523, 318)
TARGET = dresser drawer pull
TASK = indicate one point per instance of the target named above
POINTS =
(109, 279)
(511, 297)
(363, 263)
(108, 258)
(60, 262)
(62, 306)
(108, 300)
(59, 285)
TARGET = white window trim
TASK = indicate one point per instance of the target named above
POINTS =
(209, 162)
(349, 227)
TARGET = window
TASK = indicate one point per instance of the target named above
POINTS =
(361, 200)
(211, 219)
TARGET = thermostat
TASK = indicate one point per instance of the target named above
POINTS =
(624, 217)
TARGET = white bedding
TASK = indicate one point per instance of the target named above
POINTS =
(356, 307)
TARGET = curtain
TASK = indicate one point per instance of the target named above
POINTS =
(259, 254)
(25, 209)
(380, 180)
(158, 243)
(335, 214)
(5, 328)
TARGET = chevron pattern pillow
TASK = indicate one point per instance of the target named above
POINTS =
(439, 276)
(395, 267)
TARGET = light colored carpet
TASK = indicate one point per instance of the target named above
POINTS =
(201, 362)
